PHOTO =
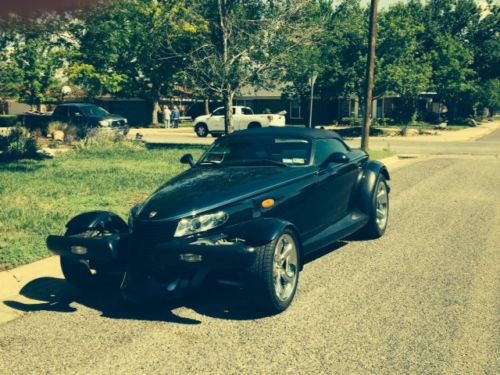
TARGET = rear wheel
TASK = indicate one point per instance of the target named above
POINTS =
(254, 125)
(379, 214)
(273, 278)
(201, 130)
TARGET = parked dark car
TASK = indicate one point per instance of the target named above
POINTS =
(257, 202)
(82, 115)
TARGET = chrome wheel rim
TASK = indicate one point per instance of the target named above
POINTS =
(382, 205)
(285, 268)
(201, 130)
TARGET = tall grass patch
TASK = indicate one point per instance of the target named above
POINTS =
(37, 198)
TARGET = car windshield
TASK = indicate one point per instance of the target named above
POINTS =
(93, 111)
(258, 150)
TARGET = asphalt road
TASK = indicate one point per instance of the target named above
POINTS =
(425, 298)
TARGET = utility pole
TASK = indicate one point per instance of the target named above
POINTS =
(312, 82)
(370, 72)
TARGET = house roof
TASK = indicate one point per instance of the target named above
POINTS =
(251, 92)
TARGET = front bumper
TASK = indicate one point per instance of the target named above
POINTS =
(213, 253)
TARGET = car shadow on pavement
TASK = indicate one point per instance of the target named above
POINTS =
(211, 300)
(58, 296)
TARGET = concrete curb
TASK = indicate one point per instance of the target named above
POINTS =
(12, 281)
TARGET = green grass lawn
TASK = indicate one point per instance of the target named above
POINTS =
(37, 198)
(377, 155)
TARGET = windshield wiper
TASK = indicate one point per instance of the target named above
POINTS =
(208, 162)
(256, 162)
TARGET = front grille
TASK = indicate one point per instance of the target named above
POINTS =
(150, 233)
(118, 123)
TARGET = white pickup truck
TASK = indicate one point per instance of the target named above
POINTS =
(243, 118)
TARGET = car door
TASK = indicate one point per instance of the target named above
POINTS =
(75, 116)
(61, 113)
(216, 120)
(335, 181)
(242, 119)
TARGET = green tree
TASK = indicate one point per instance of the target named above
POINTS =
(345, 51)
(11, 77)
(403, 66)
(128, 49)
(450, 27)
(32, 57)
(246, 43)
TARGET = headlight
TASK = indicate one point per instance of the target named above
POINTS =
(200, 224)
(105, 122)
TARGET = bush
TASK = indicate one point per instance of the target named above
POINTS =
(351, 121)
(386, 121)
(70, 131)
(98, 138)
(8, 120)
(19, 144)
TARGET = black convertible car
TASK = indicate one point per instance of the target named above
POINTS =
(256, 202)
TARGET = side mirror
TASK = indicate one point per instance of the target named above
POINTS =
(188, 159)
(336, 157)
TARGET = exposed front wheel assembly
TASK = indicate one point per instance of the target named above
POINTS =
(273, 278)
(84, 275)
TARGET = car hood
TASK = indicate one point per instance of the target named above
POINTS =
(203, 118)
(205, 188)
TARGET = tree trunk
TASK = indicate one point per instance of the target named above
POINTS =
(370, 74)
(228, 110)
(207, 107)
(155, 106)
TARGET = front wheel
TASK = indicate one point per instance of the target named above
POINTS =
(201, 130)
(273, 278)
(79, 272)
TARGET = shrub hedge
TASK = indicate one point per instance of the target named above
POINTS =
(8, 120)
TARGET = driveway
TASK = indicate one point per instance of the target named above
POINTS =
(422, 299)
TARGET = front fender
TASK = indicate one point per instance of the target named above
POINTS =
(367, 183)
(103, 220)
(260, 232)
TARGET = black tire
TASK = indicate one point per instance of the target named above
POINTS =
(261, 280)
(375, 228)
(79, 274)
(201, 130)
(254, 125)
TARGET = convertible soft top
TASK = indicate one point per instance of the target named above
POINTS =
(287, 131)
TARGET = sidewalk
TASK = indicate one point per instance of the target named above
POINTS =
(186, 136)
(464, 135)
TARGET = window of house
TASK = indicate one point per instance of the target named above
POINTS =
(295, 110)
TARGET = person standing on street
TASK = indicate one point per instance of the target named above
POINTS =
(176, 117)
(167, 113)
